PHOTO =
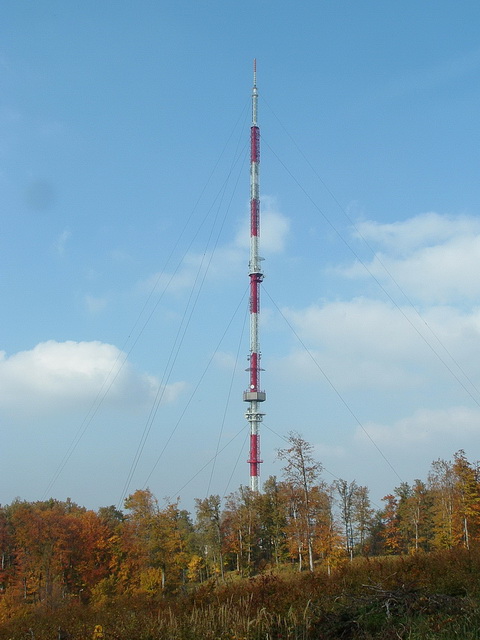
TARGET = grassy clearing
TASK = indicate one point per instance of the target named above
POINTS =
(419, 597)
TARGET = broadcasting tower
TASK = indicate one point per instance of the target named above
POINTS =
(254, 395)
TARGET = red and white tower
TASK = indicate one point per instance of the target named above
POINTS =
(253, 395)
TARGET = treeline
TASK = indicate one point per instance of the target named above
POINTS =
(52, 551)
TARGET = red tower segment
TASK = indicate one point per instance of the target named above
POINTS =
(254, 395)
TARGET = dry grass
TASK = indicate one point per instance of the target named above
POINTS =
(419, 597)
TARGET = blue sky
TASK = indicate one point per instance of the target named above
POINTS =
(124, 186)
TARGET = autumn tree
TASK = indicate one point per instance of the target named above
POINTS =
(415, 513)
(302, 472)
(441, 484)
(242, 528)
(136, 543)
(405, 520)
(93, 540)
(273, 519)
(155, 543)
(328, 541)
(111, 516)
(6, 549)
(467, 500)
(57, 549)
(209, 534)
(171, 529)
(363, 517)
(346, 492)
(390, 531)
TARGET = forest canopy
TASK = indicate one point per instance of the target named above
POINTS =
(55, 550)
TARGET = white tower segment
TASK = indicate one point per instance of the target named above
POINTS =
(253, 395)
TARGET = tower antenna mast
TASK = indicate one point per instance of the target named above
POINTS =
(253, 395)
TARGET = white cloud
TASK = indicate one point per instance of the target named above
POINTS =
(225, 361)
(433, 258)
(411, 379)
(362, 343)
(183, 278)
(227, 259)
(274, 229)
(120, 255)
(426, 427)
(323, 450)
(56, 377)
(367, 344)
(426, 229)
(94, 304)
(61, 241)
(383, 454)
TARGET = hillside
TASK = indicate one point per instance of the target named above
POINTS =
(424, 596)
